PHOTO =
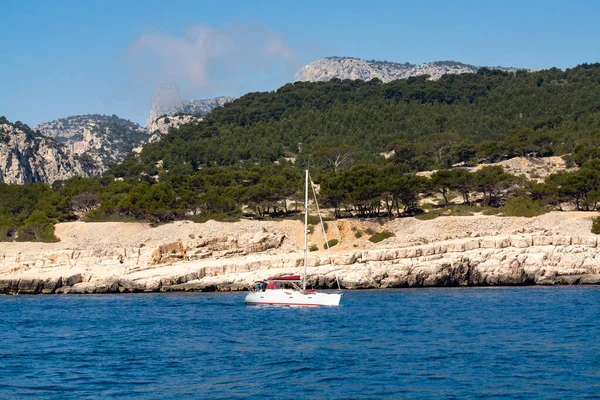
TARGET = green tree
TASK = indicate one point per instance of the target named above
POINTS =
(493, 182)
(442, 181)
(39, 226)
(441, 144)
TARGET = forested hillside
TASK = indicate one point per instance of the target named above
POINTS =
(471, 117)
(246, 158)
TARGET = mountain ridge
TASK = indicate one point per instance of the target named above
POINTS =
(99, 140)
(328, 68)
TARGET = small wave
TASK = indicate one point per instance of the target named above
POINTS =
(381, 344)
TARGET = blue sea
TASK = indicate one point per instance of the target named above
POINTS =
(525, 342)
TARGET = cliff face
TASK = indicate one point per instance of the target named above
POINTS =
(167, 100)
(328, 68)
(97, 141)
(26, 156)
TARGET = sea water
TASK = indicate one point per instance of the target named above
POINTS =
(527, 342)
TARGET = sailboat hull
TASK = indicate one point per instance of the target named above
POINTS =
(285, 297)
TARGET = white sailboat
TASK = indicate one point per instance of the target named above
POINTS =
(274, 291)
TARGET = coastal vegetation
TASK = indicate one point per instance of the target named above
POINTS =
(381, 236)
(365, 143)
(330, 243)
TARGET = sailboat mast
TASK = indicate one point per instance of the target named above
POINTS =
(305, 230)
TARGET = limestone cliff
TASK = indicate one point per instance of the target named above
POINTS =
(328, 68)
(27, 156)
(97, 141)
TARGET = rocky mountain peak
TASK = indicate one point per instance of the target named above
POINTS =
(168, 100)
(328, 68)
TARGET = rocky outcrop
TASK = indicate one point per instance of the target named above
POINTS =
(120, 261)
(225, 257)
(167, 100)
(506, 261)
(162, 125)
(170, 252)
(26, 156)
(328, 68)
(97, 141)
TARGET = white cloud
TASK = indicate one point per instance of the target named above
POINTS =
(208, 58)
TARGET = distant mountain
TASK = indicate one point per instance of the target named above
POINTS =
(27, 156)
(328, 68)
(167, 100)
(97, 140)
(87, 145)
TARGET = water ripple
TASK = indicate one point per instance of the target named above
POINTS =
(428, 343)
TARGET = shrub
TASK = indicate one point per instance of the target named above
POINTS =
(379, 236)
(462, 210)
(491, 211)
(456, 211)
(38, 227)
(220, 217)
(313, 247)
(7, 233)
(312, 220)
(369, 231)
(521, 206)
(596, 226)
(428, 216)
(7, 229)
(330, 243)
(358, 234)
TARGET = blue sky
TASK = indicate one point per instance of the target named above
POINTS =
(61, 58)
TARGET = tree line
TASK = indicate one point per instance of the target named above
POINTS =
(29, 212)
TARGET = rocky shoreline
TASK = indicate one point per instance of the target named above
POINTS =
(448, 251)
(230, 257)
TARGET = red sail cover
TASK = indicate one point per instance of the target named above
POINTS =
(285, 278)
